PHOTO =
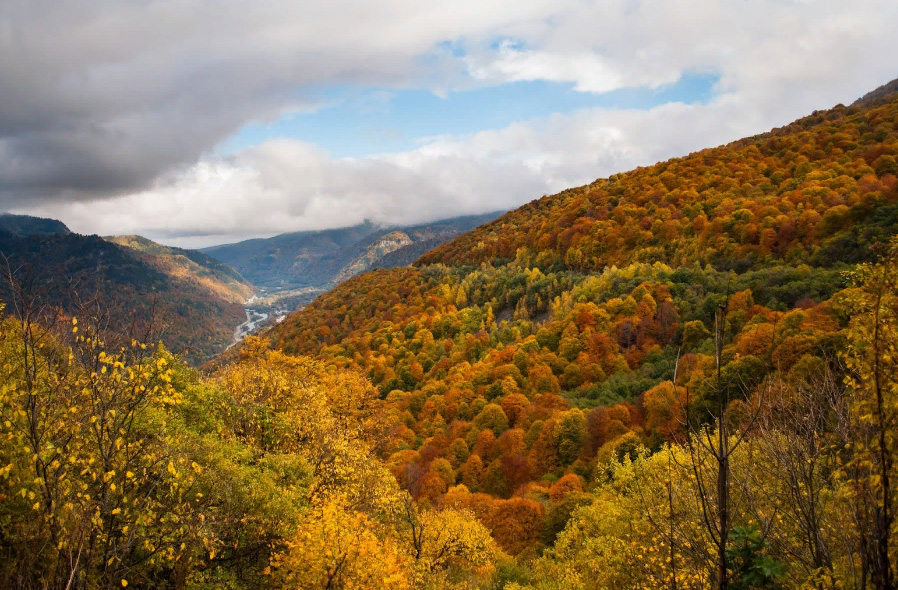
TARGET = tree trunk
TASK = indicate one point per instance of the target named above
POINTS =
(723, 460)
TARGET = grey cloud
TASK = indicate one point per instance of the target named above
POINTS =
(100, 98)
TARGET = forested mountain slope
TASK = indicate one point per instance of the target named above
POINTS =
(210, 273)
(324, 258)
(817, 192)
(190, 300)
(530, 355)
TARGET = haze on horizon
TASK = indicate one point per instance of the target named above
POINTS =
(200, 122)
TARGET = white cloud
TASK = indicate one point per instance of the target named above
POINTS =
(288, 185)
(101, 98)
(589, 72)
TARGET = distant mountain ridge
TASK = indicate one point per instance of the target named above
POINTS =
(196, 301)
(408, 254)
(325, 258)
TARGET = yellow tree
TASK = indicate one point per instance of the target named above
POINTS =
(337, 548)
(872, 360)
(90, 455)
(280, 403)
(443, 544)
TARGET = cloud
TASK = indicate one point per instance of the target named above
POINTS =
(589, 72)
(109, 114)
(101, 98)
(287, 185)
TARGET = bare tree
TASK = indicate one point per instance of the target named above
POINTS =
(711, 446)
(795, 433)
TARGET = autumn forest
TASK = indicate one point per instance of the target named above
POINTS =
(680, 377)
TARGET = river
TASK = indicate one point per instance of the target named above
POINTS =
(272, 306)
(253, 319)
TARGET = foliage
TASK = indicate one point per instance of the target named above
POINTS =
(335, 548)
(752, 566)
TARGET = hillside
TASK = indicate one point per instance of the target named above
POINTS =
(321, 259)
(288, 260)
(816, 192)
(219, 278)
(26, 225)
(194, 306)
(877, 94)
(526, 356)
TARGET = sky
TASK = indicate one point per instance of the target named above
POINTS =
(198, 122)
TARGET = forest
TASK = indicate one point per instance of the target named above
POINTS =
(182, 297)
(683, 376)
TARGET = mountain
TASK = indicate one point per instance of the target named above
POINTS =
(407, 255)
(541, 346)
(814, 191)
(195, 301)
(26, 225)
(323, 258)
(291, 259)
(219, 278)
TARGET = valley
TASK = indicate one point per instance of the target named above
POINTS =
(253, 319)
(290, 270)
(270, 308)
(198, 305)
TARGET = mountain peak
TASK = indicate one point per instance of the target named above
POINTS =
(27, 225)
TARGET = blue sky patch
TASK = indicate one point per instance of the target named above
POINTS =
(361, 122)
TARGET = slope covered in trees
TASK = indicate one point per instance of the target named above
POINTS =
(122, 467)
(817, 192)
(644, 338)
(201, 268)
(322, 259)
(188, 299)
